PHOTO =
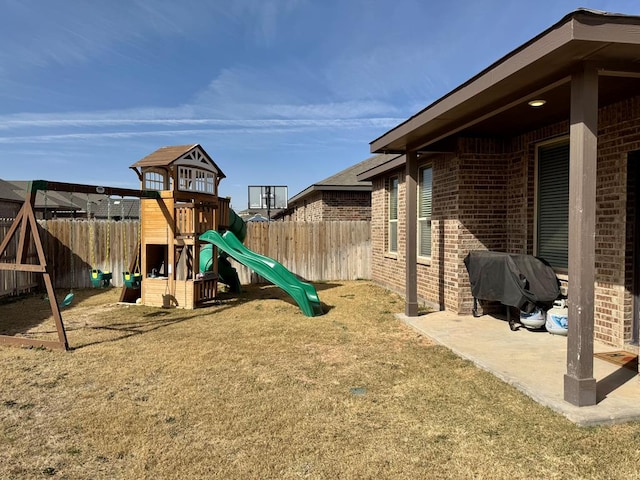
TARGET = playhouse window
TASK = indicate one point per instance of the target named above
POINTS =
(552, 225)
(393, 215)
(154, 180)
(424, 212)
(196, 180)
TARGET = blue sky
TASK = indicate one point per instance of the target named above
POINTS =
(278, 92)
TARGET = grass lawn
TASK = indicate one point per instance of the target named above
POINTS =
(252, 389)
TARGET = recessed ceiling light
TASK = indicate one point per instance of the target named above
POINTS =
(537, 103)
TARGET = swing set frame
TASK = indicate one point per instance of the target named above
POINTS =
(26, 227)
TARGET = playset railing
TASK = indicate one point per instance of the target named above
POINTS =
(194, 219)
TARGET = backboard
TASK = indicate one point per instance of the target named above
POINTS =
(268, 197)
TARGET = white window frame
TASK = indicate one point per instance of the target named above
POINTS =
(195, 180)
(424, 214)
(392, 223)
(154, 180)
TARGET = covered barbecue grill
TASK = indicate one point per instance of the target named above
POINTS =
(522, 281)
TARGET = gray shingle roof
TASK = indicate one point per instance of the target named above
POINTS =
(47, 198)
(116, 207)
(8, 193)
(346, 179)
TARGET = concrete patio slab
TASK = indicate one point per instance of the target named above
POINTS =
(535, 363)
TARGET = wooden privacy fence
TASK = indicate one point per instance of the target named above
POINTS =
(313, 250)
(73, 248)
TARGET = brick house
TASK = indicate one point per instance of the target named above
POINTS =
(339, 197)
(537, 154)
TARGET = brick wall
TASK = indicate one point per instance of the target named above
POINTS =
(331, 205)
(386, 269)
(438, 279)
(345, 205)
(618, 134)
(307, 210)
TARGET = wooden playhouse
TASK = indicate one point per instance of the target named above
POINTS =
(187, 179)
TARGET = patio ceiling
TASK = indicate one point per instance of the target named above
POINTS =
(494, 102)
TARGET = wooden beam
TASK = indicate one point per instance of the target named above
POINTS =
(23, 267)
(32, 342)
(579, 384)
(411, 234)
(12, 230)
(95, 189)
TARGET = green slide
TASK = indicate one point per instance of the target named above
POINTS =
(226, 273)
(302, 292)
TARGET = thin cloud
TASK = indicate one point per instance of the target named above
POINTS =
(224, 124)
(276, 127)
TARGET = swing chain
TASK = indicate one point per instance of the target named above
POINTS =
(138, 244)
(91, 234)
(71, 242)
(108, 264)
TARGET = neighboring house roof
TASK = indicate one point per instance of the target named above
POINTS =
(47, 199)
(257, 218)
(250, 213)
(165, 156)
(59, 200)
(495, 101)
(8, 194)
(347, 179)
(117, 208)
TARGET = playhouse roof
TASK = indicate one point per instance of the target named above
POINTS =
(494, 102)
(165, 156)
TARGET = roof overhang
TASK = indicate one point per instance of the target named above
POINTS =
(495, 102)
(392, 164)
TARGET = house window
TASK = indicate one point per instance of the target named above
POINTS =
(393, 215)
(552, 223)
(424, 211)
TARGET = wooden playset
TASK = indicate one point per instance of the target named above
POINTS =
(179, 211)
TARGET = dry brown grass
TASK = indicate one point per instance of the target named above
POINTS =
(251, 388)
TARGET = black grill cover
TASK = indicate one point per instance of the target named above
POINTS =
(521, 281)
